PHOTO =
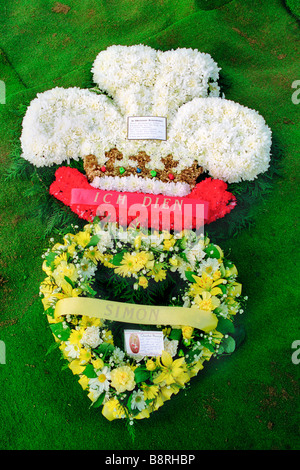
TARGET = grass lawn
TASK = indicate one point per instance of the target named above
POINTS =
(247, 401)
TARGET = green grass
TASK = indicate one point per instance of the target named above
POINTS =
(294, 7)
(246, 401)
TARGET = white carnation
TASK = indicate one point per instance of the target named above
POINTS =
(91, 337)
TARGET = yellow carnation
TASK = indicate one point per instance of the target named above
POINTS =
(122, 378)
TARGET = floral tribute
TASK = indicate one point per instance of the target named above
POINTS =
(137, 265)
(191, 144)
(205, 132)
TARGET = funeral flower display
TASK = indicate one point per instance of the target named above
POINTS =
(143, 267)
(223, 138)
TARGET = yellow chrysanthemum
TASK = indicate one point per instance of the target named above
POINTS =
(93, 254)
(82, 239)
(85, 356)
(90, 321)
(129, 265)
(59, 258)
(206, 301)
(150, 391)
(76, 336)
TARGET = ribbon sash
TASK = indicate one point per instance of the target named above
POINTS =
(138, 314)
(145, 206)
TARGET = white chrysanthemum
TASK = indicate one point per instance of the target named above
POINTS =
(91, 337)
(196, 253)
(117, 356)
(62, 123)
(171, 346)
(229, 141)
(105, 243)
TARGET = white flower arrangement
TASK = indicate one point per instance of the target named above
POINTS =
(145, 185)
(230, 141)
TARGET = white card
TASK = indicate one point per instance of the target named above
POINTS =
(146, 128)
(144, 343)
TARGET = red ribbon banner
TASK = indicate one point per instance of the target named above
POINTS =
(151, 210)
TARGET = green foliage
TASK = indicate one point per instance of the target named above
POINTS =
(141, 374)
(60, 331)
(294, 7)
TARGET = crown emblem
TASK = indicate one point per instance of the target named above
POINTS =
(175, 92)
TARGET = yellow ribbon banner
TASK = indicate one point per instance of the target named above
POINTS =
(138, 314)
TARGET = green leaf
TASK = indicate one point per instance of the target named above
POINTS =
(228, 345)
(50, 260)
(105, 348)
(89, 372)
(212, 251)
(91, 291)
(189, 275)
(116, 261)
(134, 411)
(93, 241)
(141, 374)
(222, 270)
(69, 282)
(99, 401)
(223, 288)
(175, 334)
(239, 335)
(183, 243)
(225, 326)
(183, 256)
(60, 332)
(190, 355)
(129, 403)
(50, 311)
(209, 346)
(53, 346)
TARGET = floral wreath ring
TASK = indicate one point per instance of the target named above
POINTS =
(136, 265)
